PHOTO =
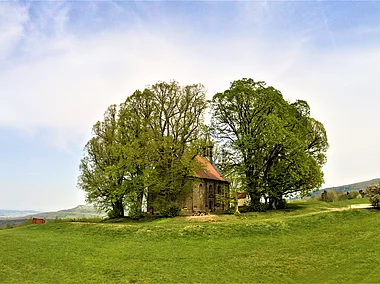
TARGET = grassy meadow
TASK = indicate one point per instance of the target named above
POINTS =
(309, 242)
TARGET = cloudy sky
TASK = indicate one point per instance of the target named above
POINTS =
(63, 63)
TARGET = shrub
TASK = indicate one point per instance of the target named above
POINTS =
(353, 194)
(134, 211)
(257, 207)
(328, 196)
(170, 211)
(27, 222)
(341, 196)
(112, 214)
(318, 197)
(373, 192)
(8, 226)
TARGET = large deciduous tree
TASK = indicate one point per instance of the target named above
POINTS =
(277, 147)
(101, 169)
(141, 149)
(175, 123)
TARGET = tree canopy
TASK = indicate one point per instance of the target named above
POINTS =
(144, 148)
(139, 150)
(373, 192)
(276, 146)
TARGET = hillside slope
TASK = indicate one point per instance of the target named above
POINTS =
(354, 186)
(78, 212)
(309, 242)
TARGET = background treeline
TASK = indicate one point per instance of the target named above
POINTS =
(372, 192)
(144, 148)
(349, 187)
(332, 196)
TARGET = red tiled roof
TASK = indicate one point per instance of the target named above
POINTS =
(208, 171)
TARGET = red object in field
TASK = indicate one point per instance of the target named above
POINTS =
(38, 221)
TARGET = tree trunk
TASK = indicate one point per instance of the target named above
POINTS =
(118, 209)
(255, 197)
(272, 202)
(139, 201)
(237, 212)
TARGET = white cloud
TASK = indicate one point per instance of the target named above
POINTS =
(64, 83)
(341, 89)
(70, 84)
(12, 20)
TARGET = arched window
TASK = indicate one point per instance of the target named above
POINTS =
(210, 192)
(219, 190)
(200, 191)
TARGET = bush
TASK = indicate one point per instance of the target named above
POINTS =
(257, 207)
(9, 226)
(342, 196)
(353, 194)
(170, 211)
(134, 211)
(112, 214)
(318, 197)
(328, 196)
(373, 192)
(27, 222)
(331, 195)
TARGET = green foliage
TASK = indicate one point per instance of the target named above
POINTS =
(27, 222)
(353, 194)
(78, 219)
(333, 196)
(342, 196)
(318, 197)
(257, 207)
(281, 204)
(359, 186)
(373, 192)
(328, 196)
(140, 151)
(275, 147)
(225, 162)
(8, 226)
(114, 213)
(101, 173)
(170, 211)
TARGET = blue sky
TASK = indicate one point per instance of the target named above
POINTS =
(63, 63)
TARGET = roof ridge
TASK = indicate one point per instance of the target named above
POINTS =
(211, 171)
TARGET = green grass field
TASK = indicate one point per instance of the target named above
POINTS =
(306, 243)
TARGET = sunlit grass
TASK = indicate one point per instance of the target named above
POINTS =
(270, 247)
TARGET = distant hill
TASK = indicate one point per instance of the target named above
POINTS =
(354, 186)
(77, 212)
(16, 213)
(14, 217)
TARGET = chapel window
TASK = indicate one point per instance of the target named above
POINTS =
(210, 192)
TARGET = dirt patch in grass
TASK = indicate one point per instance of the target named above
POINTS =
(205, 218)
